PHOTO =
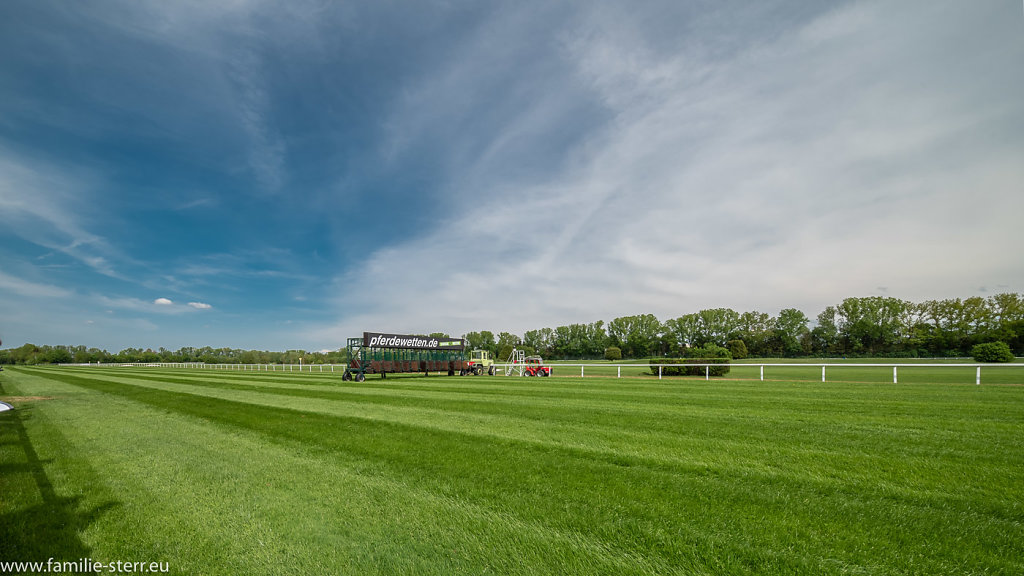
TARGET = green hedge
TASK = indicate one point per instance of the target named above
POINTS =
(992, 352)
(710, 354)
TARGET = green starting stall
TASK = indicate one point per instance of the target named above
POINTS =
(379, 353)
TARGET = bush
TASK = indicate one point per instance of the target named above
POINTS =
(992, 352)
(737, 348)
(667, 370)
(709, 354)
(503, 353)
(613, 353)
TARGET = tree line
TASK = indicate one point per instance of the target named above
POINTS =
(32, 354)
(858, 327)
(874, 326)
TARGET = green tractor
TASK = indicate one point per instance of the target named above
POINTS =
(480, 361)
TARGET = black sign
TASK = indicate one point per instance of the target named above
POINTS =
(377, 340)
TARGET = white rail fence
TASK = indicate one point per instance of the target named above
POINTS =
(339, 368)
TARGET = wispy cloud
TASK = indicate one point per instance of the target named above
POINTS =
(497, 166)
(114, 304)
(198, 203)
(212, 79)
(812, 165)
(50, 206)
(27, 288)
(266, 150)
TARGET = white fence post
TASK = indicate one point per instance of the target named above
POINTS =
(822, 372)
(620, 372)
(581, 370)
(977, 377)
(707, 372)
(894, 381)
(762, 373)
(659, 372)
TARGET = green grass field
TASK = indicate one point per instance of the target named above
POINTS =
(277, 473)
(809, 370)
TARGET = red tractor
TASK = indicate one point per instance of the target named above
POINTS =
(534, 366)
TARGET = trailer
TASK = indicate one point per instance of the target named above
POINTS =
(380, 353)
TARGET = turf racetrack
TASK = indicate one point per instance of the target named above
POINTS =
(276, 473)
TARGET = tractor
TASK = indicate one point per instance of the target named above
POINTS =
(480, 361)
(534, 366)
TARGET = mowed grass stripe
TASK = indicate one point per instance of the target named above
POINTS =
(704, 518)
(161, 486)
(898, 409)
(817, 454)
(503, 427)
(600, 442)
(473, 483)
(903, 457)
(681, 419)
(628, 397)
(648, 387)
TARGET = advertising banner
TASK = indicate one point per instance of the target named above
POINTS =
(378, 340)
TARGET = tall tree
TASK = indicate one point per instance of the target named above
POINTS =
(637, 336)
(483, 340)
(682, 332)
(716, 325)
(540, 340)
(755, 329)
(870, 325)
(791, 332)
(509, 340)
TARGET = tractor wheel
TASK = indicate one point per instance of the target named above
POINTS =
(347, 376)
(490, 371)
(544, 373)
(360, 377)
(462, 372)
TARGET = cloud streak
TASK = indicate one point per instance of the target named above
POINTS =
(21, 287)
(795, 171)
(334, 168)
(49, 206)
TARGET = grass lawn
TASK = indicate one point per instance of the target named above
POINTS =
(809, 369)
(278, 473)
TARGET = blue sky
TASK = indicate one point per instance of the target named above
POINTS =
(284, 175)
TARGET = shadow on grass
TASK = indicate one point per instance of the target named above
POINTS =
(46, 530)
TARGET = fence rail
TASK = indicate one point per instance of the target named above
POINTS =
(824, 366)
(595, 369)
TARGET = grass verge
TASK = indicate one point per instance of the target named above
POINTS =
(265, 473)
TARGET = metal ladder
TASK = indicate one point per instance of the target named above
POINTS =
(515, 361)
